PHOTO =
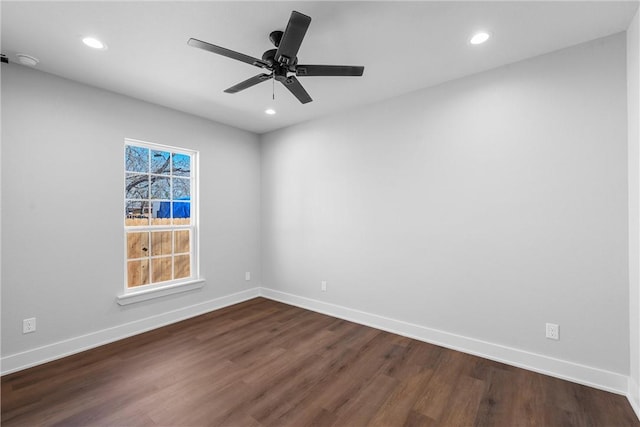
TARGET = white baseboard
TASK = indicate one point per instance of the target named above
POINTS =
(634, 396)
(58, 350)
(581, 374)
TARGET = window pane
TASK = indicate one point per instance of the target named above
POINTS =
(161, 213)
(136, 213)
(181, 213)
(181, 244)
(181, 164)
(181, 189)
(136, 159)
(137, 245)
(181, 266)
(137, 186)
(160, 188)
(137, 273)
(161, 268)
(160, 243)
(160, 163)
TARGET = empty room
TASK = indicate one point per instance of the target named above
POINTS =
(320, 213)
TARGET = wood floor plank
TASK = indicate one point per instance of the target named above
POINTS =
(264, 363)
(359, 410)
(396, 409)
(435, 401)
(464, 403)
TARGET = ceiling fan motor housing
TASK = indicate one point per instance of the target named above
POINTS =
(269, 56)
(278, 68)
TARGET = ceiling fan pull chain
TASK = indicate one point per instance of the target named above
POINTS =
(273, 88)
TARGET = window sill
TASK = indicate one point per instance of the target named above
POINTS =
(139, 296)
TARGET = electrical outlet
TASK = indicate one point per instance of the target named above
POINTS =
(247, 275)
(323, 286)
(29, 325)
(553, 331)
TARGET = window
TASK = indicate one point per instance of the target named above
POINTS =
(159, 215)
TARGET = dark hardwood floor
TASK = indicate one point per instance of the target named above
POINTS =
(263, 363)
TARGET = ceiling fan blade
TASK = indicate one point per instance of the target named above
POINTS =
(248, 83)
(296, 89)
(328, 70)
(228, 53)
(292, 38)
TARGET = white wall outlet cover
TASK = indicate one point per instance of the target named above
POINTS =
(553, 331)
(29, 325)
(247, 275)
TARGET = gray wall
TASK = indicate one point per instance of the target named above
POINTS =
(483, 207)
(62, 219)
(633, 114)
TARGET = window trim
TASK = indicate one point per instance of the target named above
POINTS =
(134, 295)
(194, 281)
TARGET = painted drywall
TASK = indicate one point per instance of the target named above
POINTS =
(484, 207)
(62, 219)
(633, 123)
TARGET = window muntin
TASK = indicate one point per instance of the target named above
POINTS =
(159, 217)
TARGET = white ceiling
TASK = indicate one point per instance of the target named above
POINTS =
(404, 46)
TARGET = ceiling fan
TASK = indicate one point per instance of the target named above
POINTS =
(282, 62)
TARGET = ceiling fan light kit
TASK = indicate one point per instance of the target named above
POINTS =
(282, 62)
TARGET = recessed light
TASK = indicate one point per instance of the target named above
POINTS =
(94, 43)
(28, 60)
(270, 111)
(479, 38)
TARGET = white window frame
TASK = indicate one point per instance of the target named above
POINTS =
(159, 289)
